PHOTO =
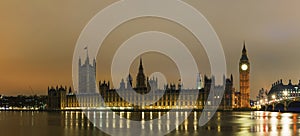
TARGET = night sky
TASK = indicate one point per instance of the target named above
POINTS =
(38, 40)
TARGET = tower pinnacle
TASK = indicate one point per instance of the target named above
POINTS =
(87, 61)
(141, 79)
(244, 53)
(141, 64)
(244, 48)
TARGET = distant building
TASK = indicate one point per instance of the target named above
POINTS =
(87, 76)
(56, 97)
(237, 100)
(262, 97)
(59, 98)
(228, 97)
(281, 91)
(22, 102)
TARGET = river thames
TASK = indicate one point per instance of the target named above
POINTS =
(75, 123)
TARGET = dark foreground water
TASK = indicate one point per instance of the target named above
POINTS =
(72, 123)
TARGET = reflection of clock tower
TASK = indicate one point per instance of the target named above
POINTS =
(244, 68)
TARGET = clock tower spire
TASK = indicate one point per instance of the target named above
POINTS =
(244, 70)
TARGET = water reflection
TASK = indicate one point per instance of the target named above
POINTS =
(233, 123)
(76, 123)
(275, 123)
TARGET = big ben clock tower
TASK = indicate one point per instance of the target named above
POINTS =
(244, 68)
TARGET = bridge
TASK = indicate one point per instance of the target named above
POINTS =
(291, 104)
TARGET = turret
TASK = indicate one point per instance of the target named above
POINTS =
(70, 90)
(87, 60)
(129, 82)
(79, 63)
(290, 82)
(122, 84)
(94, 63)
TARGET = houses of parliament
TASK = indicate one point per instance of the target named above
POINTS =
(87, 97)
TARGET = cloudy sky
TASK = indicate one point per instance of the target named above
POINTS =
(38, 39)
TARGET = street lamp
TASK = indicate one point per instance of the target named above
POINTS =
(273, 97)
(285, 93)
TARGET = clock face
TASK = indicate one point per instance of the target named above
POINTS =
(244, 67)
